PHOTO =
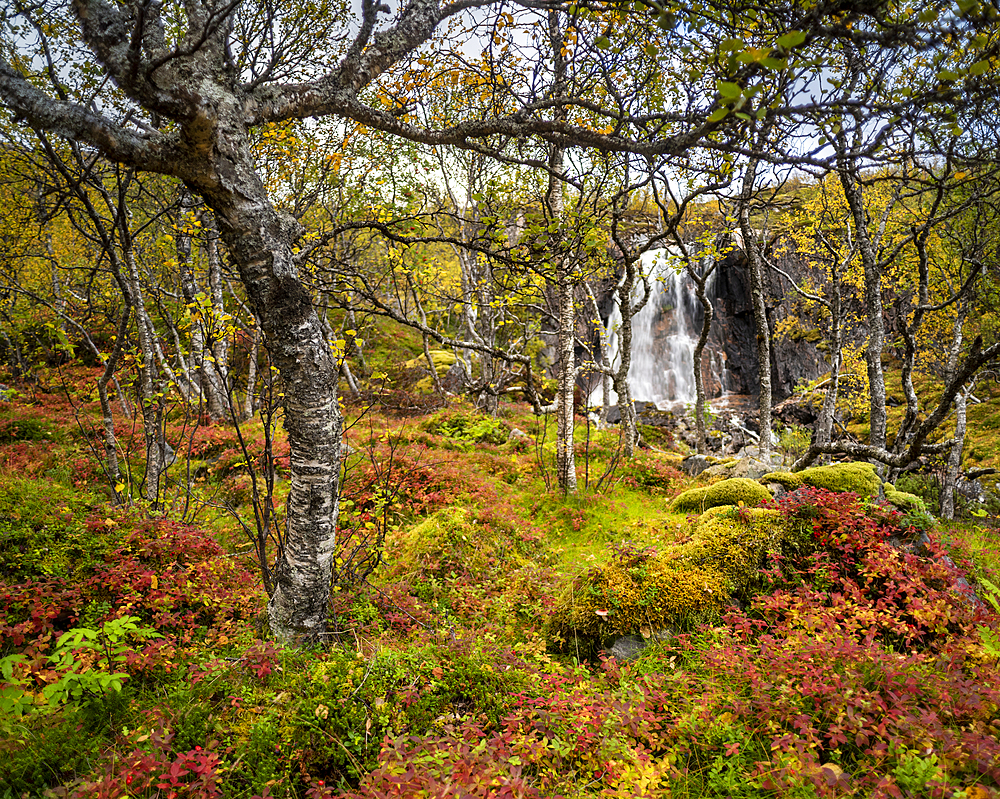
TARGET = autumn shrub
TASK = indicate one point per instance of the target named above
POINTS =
(170, 575)
(653, 472)
(336, 708)
(570, 729)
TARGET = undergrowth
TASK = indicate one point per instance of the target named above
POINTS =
(834, 649)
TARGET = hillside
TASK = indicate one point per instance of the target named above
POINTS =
(827, 644)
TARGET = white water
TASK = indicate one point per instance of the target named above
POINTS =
(663, 375)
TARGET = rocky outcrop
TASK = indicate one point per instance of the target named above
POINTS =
(793, 358)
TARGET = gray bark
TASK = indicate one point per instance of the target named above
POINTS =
(752, 247)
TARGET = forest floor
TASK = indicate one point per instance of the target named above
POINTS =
(135, 662)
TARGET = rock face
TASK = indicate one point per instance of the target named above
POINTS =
(793, 358)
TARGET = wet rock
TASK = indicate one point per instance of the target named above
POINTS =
(695, 464)
(627, 647)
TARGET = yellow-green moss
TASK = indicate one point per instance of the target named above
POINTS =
(640, 595)
(725, 492)
(736, 490)
(902, 500)
(443, 361)
(787, 480)
(735, 543)
(451, 539)
(691, 500)
(857, 477)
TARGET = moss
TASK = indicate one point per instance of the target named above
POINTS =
(453, 540)
(735, 491)
(855, 476)
(641, 592)
(692, 500)
(443, 361)
(636, 592)
(787, 480)
(812, 336)
(736, 544)
(902, 500)
(725, 492)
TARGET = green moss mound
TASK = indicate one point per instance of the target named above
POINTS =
(857, 477)
(466, 429)
(454, 541)
(736, 490)
(736, 543)
(787, 480)
(902, 500)
(645, 591)
(637, 591)
(725, 492)
(690, 501)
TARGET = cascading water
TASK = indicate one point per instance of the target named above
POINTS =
(664, 335)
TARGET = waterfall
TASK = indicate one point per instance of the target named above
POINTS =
(664, 335)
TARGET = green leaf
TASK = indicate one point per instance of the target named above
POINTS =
(728, 90)
(731, 45)
(651, 50)
(948, 75)
(791, 39)
(718, 114)
(602, 42)
(979, 67)
(773, 63)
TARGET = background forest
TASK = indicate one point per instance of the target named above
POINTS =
(347, 450)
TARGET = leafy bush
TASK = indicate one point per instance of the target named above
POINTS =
(468, 429)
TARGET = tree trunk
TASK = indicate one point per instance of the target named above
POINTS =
(565, 455)
(751, 245)
(854, 193)
(260, 241)
(215, 364)
(954, 464)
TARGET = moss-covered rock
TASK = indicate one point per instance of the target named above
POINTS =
(642, 592)
(725, 492)
(736, 490)
(855, 476)
(690, 501)
(787, 480)
(735, 543)
(636, 592)
(902, 500)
